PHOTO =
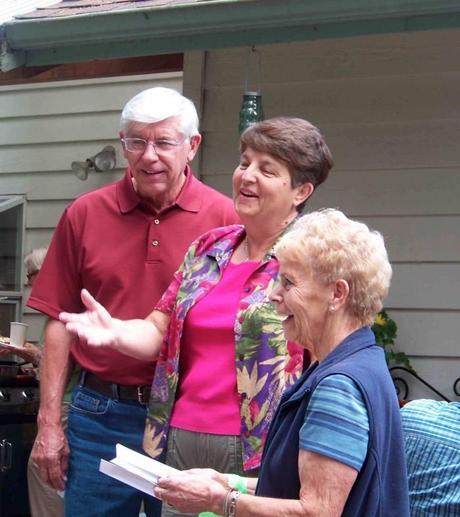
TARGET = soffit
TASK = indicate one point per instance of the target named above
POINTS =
(81, 30)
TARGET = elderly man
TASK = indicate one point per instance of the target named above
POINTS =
(123, 242)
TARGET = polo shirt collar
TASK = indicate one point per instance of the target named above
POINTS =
(189, 198)
(128, 200)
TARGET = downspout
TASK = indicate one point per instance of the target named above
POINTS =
(9, 58)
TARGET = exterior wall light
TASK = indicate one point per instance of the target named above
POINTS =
(104, 160)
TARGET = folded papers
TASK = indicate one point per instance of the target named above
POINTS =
(135, 469)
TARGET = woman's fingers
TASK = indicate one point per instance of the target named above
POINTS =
(189, 493)
(83, 318)
(96, 314)
(94, 325)
(88, 300)
(95, 307)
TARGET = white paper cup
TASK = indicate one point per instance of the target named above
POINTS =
(18, 332)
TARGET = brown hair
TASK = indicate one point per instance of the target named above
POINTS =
(297, 143)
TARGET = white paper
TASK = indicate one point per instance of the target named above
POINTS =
(135, 469)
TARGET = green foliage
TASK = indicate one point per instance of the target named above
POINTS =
(385, 330)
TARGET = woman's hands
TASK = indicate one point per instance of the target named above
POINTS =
(95, 325)
(194, 491)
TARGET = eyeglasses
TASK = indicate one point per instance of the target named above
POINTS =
(139, 145)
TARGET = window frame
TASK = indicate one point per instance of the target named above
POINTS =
(16, 297)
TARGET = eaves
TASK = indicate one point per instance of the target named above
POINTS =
(211, 24)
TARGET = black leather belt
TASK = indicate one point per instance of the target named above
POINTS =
(140, 394)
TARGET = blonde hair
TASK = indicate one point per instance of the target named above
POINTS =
(33, 261)
(335, 247)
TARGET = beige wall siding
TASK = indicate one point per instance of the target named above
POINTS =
(388, 105)
(46, 126)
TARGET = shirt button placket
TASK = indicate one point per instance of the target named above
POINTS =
(155, 241)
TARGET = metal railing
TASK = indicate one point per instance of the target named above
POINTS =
(402, 387)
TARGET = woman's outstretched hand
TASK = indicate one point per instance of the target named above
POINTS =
(95, 325)
(136, 338)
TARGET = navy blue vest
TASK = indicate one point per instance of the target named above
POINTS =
(381, 486)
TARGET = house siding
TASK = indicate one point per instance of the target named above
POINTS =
(388, 106)
(46, 126)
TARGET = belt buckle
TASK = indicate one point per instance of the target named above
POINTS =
(140, 394)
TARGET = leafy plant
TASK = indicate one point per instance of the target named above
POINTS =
(385, 330)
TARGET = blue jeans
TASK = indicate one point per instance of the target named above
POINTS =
(96, 423)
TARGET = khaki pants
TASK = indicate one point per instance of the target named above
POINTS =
(44, 500)
(188, 450)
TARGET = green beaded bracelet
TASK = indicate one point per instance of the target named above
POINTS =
(238, 483)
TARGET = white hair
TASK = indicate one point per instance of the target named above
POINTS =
(33, 261)
(336, 247)
(157, 104)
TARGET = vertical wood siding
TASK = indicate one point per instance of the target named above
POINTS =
(388, 106)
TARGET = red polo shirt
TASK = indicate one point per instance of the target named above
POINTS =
(108, 243)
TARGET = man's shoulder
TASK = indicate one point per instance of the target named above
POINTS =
(88, 199)
(434, 423)
(213, 207)
(432, 410)
(211, 194)
(100, 192)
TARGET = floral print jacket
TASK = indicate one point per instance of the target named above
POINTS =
(265, 363)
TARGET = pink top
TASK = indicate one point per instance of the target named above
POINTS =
(207, 398)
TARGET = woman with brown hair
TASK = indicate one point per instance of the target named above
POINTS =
(222, 358)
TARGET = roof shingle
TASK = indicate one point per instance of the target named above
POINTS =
(79, 7)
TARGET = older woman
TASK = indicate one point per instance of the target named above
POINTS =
(223, 360)
(33, 262)
(335, 444)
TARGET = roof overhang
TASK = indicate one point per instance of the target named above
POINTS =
(211, 24)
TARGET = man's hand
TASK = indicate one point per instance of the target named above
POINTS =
(95, 325)
(51, 454)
